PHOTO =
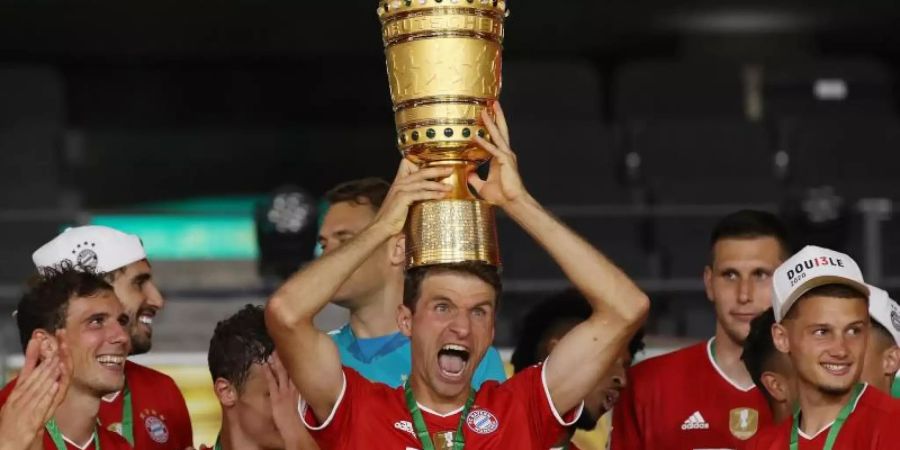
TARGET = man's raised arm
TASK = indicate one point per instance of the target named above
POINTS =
(310, 356)
(589, 350)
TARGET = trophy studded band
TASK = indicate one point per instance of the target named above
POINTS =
(444, 64)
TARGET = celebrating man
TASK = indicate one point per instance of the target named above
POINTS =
(771, 370)
(80, 312)
(370, 342)
(259, 402)
(702, 396)
(149, 411)
(448, 312)
(882, 359)
(823, 325)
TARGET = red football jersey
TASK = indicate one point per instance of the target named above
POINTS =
(682, 401)
(873, 425)
(159, 413)
(108, 440)
(517, 415)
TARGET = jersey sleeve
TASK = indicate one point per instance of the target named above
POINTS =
(626, 425)
(332, 432)
(491, 368)
(546, 423)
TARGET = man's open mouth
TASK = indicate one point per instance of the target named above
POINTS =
(453, 360)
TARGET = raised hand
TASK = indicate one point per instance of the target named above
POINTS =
(411, 185)
(40, 388)
(285, 398)
(504, 184)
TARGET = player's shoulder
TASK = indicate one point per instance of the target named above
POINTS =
(879, 403)
(659, 366)
(138, 372)
(360, 383)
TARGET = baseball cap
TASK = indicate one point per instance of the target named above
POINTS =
(92, 247)
(809, 268)
(885, 311)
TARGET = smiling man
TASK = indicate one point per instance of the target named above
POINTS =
(823, 325)
(150, 411)
(449, 312)
(703, 396)
(80, 311)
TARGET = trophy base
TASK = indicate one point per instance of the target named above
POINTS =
(451, 231)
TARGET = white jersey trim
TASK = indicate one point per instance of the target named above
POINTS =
(813, 436)
(301, 408)
(109, 398)
(712, 361)
(578, 410)
(435, 413)
(82, 446)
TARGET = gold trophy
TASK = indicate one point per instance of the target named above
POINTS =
(444, 64)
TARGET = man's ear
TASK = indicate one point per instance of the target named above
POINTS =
(225, 391)
(890, 361)
(780, 338)
(397, 246)
(773, 384)
(49, 344)
(707, 282)
(404, 320)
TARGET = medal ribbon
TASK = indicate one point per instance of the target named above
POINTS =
(57, 438)
(218, 445)
(459, 441)
(835, 427)
(127, 417)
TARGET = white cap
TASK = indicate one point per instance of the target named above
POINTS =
(885, 311)
(96, 248)
(810, 268)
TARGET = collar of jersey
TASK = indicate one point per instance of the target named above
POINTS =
(712, 360)
(855, 404)
(350, 342)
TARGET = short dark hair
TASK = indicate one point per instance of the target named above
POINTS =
(880, 329)
(45, 303)
(412, 282)
(834, 290)
(237, 343)
(751, 224)
(759, 349)
(565, 309)
(370, 191)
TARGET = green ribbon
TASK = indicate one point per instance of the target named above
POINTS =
(57, 437)
(218, 445)
(459, 441)
(127, 417)
(835, 427)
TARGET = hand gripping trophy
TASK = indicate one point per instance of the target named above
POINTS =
(444, 67)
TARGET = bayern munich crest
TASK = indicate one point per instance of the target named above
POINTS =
(156, 427)
(482, 421)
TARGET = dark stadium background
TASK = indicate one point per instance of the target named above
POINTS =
(638, 122)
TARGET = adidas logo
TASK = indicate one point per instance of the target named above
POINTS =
(695, 422)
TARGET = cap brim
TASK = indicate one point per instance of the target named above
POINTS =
(815, 282)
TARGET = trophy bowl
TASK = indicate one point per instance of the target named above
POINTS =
(444, 61)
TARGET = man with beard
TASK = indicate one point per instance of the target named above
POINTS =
(80, 313)
(702, 396)
(370, 342)
(259, 402)
(542, 329)
(823, 325)
(149, 411)
(448, 312)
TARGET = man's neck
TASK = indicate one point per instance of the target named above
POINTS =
(232, 436)
(727, 354)
(377, 316)
(76, 416)
(434, 402)
(818, 409)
